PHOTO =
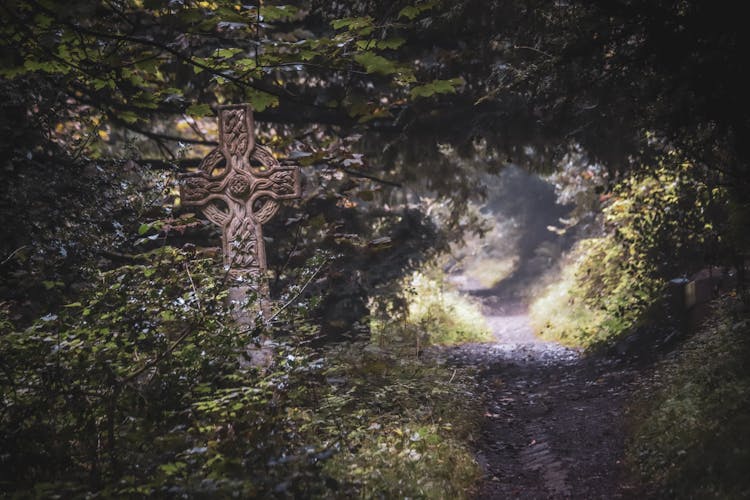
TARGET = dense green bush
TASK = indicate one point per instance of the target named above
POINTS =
(691, 420)
(656, 225)
(138, 389)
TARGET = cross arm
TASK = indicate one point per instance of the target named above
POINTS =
(199, 188)
(280, 183)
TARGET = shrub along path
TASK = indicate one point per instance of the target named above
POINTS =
(554, 423)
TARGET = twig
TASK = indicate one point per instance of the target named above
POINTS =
(166, 137)
(313, 65)
(195, 127)
(157, 360)
(12, 254)
(164, 149)
(355, 173)
(289, 255)
(192, 284)
(85, 143)
(304, 287)
(124, 256)
(534, 49)
(371, 177)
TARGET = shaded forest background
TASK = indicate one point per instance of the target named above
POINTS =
(417, 125)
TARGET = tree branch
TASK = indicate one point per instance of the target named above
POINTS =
(157, 360)
(301, 291)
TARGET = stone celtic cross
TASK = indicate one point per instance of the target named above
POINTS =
(238, 186)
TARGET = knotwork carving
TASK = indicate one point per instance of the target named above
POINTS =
(235, 194)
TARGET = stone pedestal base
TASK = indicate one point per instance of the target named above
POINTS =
(249, 303)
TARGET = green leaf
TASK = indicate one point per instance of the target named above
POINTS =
(374, 63)
(12, 72)
(172, 468)
(352, 23)
(128, 116)
(271, 13)
(391, 43)
(198, 110)
(245, 64)
(148, 65)
(409, 12)
(226, 53)
(167, 316)
(46, 66)
(100, 84)
(307, 55)
(42, 21)
(412, 11)
(437, 87)
(261, 100)
(143, 229)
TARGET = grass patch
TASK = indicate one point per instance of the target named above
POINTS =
(557, 314)
(490, 271)
(430, 312)
(440, 314)
(690, 425)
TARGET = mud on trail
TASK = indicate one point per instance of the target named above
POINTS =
(554, 423)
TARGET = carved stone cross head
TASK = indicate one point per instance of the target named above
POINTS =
(238, 187)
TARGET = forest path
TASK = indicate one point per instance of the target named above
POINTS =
(553, 425)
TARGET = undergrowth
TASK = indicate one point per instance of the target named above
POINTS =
(490, 271)
(654, 226)
(690, 424)
(137, 389)
(594, 299)
(429, 312)
(406, 422)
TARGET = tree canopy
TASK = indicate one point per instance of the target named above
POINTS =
(616, 78)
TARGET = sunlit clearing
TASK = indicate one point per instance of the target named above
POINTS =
(444, 314)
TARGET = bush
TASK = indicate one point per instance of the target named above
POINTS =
(428, 312)
(655, 225)
(137, 389)
(690, 423)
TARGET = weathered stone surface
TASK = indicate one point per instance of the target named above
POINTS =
(238, 186)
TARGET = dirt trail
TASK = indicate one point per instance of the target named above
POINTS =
(554, 424)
